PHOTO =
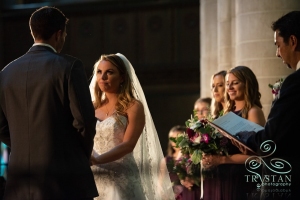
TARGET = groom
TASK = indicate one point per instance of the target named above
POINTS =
(47, 117)
(282, 126)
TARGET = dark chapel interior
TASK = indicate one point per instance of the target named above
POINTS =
(159, 37)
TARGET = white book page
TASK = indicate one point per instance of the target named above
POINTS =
(234, 124)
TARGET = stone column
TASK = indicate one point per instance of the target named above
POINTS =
(225, 34)
(255, 41)
(208, 44)
(237, 32)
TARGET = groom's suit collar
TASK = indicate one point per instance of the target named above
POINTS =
(39, 46)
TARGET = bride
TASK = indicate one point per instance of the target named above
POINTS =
(127, 154)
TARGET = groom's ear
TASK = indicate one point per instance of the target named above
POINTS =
(294, 42)
(58, 35)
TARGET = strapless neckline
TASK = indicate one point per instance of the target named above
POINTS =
(99, 120)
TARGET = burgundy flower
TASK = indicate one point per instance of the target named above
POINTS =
(191, 133)
(275, 92)
(205, 138)
(223, 141)
(203, 121)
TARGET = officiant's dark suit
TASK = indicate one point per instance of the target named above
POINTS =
(47, 118)
(282, 126)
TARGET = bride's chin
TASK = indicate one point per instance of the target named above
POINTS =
(103, 89)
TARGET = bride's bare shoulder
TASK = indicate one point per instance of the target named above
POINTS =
(136, 106)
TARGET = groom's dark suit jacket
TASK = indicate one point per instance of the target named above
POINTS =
(48, 120)
(283, 127)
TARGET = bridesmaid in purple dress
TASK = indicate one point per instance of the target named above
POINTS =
(183, 189)
(192, 191)
(211, 183)
(242, 98)
(174, 154)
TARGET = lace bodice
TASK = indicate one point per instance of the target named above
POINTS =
(109, 133)
(118, 179)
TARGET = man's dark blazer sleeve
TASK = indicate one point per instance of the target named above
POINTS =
(81, 106)
(283, 121)
(4, 130)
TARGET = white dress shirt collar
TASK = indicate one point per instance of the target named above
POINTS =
(44, 44)
(298, 65)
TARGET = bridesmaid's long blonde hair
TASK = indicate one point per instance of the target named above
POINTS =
(217, 107)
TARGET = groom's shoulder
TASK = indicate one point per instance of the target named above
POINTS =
(69, 58)
(293, 77)
(295, 74)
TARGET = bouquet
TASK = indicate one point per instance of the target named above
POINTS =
(184, 168)
(276, 87)
(198, 139)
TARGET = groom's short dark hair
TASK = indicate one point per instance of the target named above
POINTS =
(45, 21)
(287, 25)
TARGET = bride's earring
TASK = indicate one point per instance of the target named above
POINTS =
(121, 87)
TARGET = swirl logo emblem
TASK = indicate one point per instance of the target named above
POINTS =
(270, 174)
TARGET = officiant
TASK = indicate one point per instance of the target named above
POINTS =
(282, 125)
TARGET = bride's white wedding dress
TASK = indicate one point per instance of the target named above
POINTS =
(140, 175)
(118, 180)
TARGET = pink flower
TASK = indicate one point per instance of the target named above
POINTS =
(196, 138)
(205, 138)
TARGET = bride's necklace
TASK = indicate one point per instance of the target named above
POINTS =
(108, 111)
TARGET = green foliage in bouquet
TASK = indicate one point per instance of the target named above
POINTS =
(184, 168)
(200, 138)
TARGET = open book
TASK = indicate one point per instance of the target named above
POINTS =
(231, 124)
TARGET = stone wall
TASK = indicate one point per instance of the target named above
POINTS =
(237, 32)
